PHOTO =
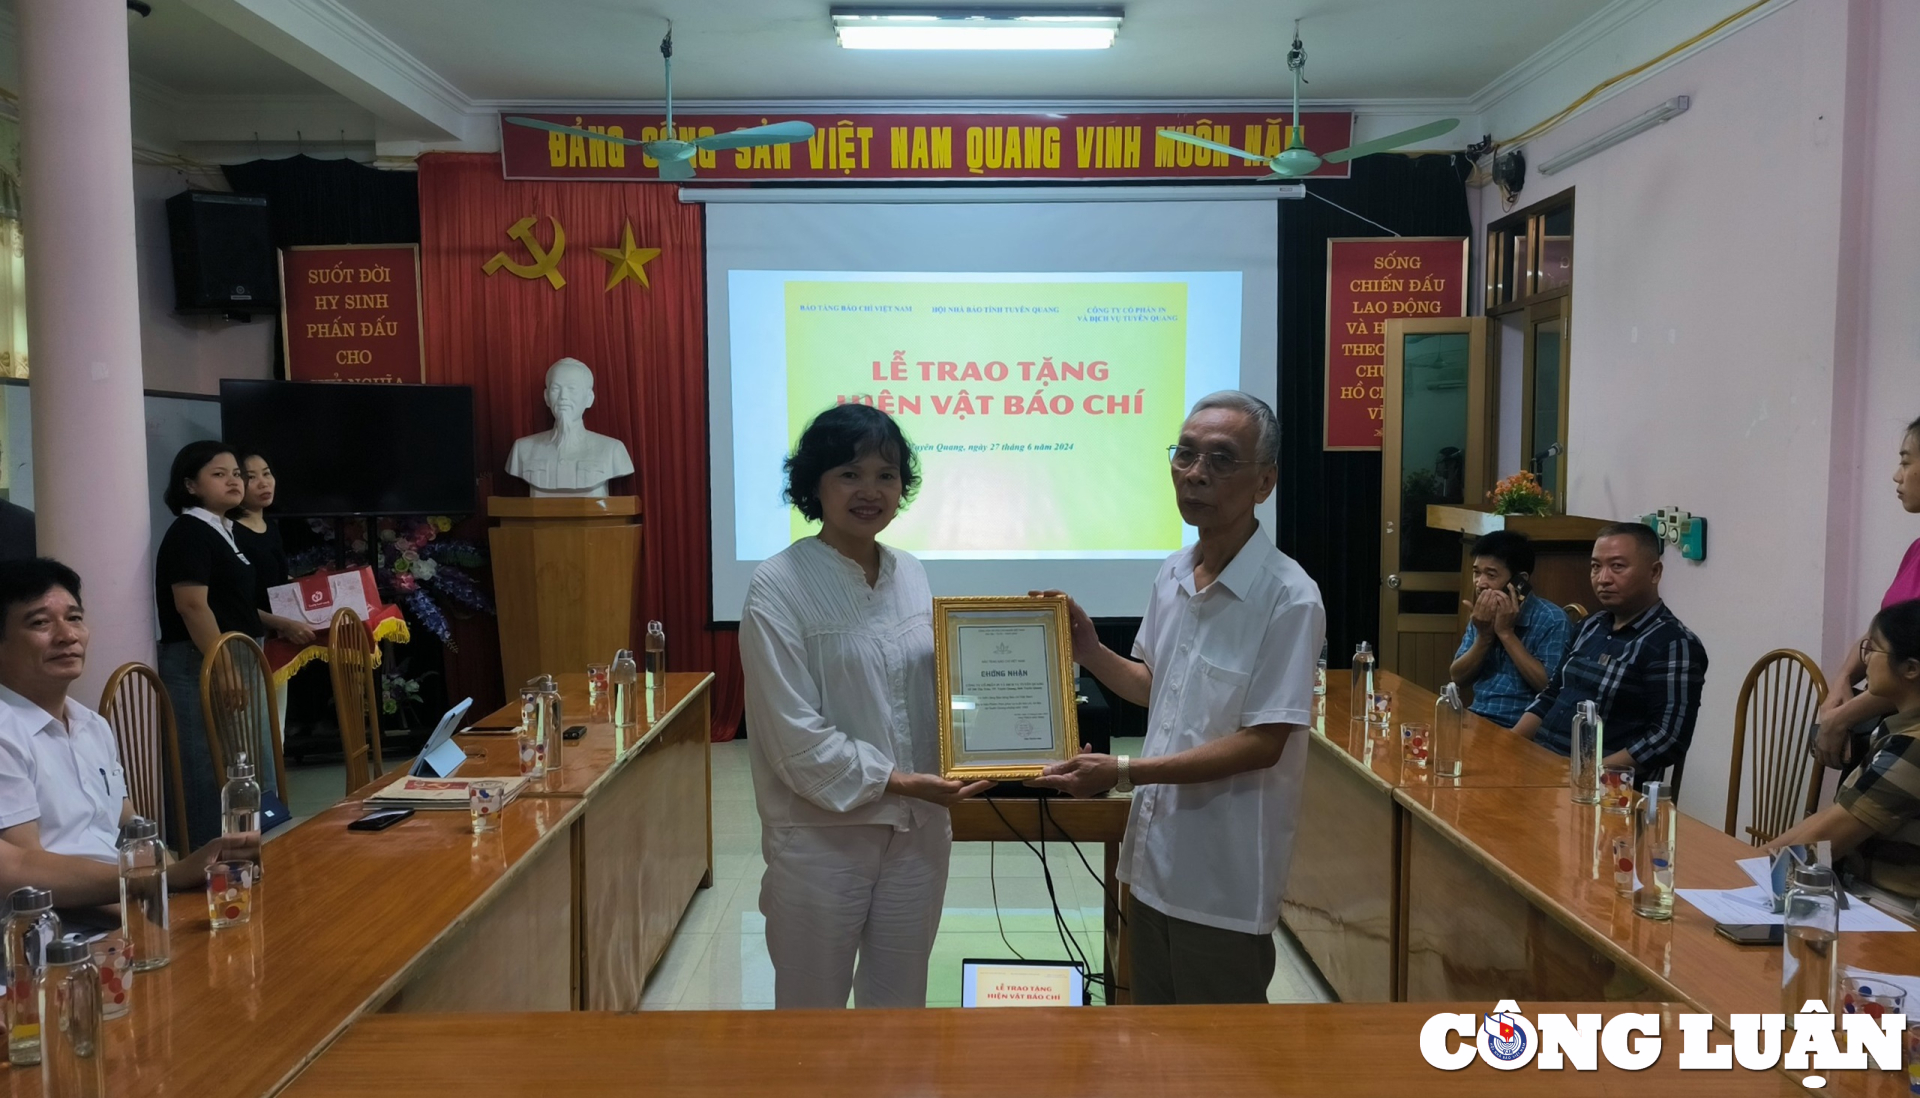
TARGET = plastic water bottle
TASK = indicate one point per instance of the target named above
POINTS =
(31, 928)
(1362, 694)
(533, 718)
(73, 1063)
(549, 689)
(240, 801)
(656, 667)
(1584, 752)
(1809, 969)
(626, 682)
(143, 894)
(1448, 719)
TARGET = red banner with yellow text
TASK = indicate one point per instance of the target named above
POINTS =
(351, 312)
(1371, 280)
(1032, 146)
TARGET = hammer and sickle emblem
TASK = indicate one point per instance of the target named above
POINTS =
(544, 261)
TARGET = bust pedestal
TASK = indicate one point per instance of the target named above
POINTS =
(564, 570)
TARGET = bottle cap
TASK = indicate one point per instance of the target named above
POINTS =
(67, 951)
(30, 898)
(656, 627)
(139, 827)
(242, 766)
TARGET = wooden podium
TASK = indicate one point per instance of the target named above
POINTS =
(563, 574)
(1562, 550)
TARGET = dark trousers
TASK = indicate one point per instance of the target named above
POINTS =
(1177, 961)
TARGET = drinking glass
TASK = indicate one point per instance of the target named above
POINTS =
(229, 894)
(1379, 713)
(599, 693)
(113, 956)
(484, 801)
(1616, 788)
(1416, 740)
(1871, 996)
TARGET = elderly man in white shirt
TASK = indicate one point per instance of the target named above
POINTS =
(63, 794)
(1224, 664)
(836, 639)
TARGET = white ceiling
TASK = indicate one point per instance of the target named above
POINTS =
(188, 53)
(585, 50)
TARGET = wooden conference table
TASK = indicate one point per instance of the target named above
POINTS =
(566, 905)
(1278, 1051)
(1496, 885)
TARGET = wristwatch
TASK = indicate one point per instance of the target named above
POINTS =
(1125, 784)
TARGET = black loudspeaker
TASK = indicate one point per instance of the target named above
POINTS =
(223, 259)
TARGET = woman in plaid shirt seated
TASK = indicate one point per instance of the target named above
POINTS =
(1874, 820)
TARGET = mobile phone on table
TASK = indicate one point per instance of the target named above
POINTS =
(381, 820)
(1751, 934)
(574, 733)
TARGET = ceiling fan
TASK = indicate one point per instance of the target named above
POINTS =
(676, 156)
(1296, 160)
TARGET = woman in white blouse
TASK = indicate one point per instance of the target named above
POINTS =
(837, 642)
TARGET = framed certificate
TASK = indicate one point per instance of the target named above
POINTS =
(1006, 689)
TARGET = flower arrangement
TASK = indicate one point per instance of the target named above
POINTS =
(1521, 494)
(415, 566)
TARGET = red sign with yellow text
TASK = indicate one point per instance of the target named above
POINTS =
(351, 312)
(1036, 146)
(1371, 280)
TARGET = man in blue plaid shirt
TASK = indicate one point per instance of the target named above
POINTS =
(1514, 640)
(1633, 658)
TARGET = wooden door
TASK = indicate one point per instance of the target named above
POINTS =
(1436, 447)
(1543, 422)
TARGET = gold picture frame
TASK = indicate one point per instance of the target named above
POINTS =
(989, 653)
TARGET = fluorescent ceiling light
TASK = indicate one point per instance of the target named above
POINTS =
(988, 29)
(1672, 108)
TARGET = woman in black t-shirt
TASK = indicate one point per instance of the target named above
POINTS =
(258, 539)
(203, 587)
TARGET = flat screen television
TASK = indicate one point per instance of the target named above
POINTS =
(339, 448)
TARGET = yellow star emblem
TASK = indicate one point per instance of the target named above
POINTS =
(627, 260)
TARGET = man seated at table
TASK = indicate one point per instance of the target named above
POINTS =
(1874, 820)
(1633, 658)
(1514, 640)
(63, 794)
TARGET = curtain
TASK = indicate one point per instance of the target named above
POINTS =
(1329, 510)
(646, 346)
(313, 201)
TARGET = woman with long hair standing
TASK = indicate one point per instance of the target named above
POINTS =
(203, 587)
(837, 642)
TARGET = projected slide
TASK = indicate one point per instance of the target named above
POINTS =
(1041, 405)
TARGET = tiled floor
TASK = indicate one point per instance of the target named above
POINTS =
(718, 959)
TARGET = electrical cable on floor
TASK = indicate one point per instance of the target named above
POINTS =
(1109, 983)
(1074, 953)
(993, 887)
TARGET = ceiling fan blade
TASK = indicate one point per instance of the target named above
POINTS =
(779, 133)
(1176, 135)
(555, 127)
(1391, 141)
(676, 169)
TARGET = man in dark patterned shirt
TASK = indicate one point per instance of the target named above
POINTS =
(1633, 658)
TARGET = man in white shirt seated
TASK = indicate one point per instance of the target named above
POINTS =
(1226, 657)
(63, 793)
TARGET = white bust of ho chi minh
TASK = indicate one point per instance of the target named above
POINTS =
(569, 460)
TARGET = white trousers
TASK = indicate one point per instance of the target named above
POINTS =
(865, 891)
